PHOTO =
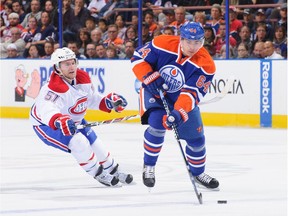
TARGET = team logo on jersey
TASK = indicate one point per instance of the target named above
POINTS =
(173, 77)
(80, 106)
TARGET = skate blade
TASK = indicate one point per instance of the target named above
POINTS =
(200, 186)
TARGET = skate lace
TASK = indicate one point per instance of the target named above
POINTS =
(149, 172)
(204, 178)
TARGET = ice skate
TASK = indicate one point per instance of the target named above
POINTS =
(123, 177)
(105, 178)
(207, 181)
(149, 176)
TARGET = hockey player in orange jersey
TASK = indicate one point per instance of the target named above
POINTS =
(180, 66)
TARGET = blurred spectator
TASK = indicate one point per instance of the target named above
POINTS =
(95, 6)
(103, 25)
(222, 52)
(90, 23)
(169, 17)
(112, 38)
(2, 27)
(156, 33)
(216, 18)
(150, 20)
(248, 18)
(168, 30)
(258, 51)
(129, 49)
(74, 46)
(269, 51)
(43, 31)
(100, 51)
(111, 52)
(242, 51)
(90, 51)
(235, 24)
(260, 19)
(134, 20)
(17, 7)
(33, 51)
(52, 11)
(283, 15)
(12, 51)
(83, 38)
(260, 33)
(80, 15)
(29, 32)
(56, 45)
(96, 36)
(13, 22)
(131, 34)
(74, 18)
(245, 35)
(120, 22)
(200, 17)
(6, 11)
(107, 12)
(220, 39)
(180, 18)
(146, 37)
(35, 11)
(16, 40)
(48, 49)
(280, 41)
(209, 40)
(68, 13)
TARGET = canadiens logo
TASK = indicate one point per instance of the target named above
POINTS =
(80, 106)
(173, 77)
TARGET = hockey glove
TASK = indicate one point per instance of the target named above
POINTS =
(176, 117)
(113, 101)
(154, 82)
(66, 125)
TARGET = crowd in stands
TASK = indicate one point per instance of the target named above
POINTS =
(93, 29)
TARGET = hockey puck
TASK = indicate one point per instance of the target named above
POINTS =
(222, 201)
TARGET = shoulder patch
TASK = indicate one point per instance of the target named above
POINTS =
(82, 77)
(57, 84)
(168, 42)
(204, 60)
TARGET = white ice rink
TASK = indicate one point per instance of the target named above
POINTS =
(250, 164)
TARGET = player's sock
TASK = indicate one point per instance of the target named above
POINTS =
(148, 176)
(207, 181)
(123, 177)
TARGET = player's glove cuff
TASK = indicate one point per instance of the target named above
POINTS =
(176, 117)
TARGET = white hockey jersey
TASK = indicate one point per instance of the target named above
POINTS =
(58, 97)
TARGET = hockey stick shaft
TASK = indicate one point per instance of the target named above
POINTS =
(115, 120)
(176, 135)
(223, 93)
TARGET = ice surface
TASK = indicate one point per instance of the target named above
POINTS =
(250, 164)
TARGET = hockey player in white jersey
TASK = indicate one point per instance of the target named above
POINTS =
(61, 105)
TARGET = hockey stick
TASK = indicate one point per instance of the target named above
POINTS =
(115, 120)
(176, 135)
(223, 93)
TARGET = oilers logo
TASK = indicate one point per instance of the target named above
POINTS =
(173, 76)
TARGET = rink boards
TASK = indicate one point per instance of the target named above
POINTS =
(257, 98)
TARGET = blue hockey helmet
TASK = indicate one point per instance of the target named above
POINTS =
(192, 31)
